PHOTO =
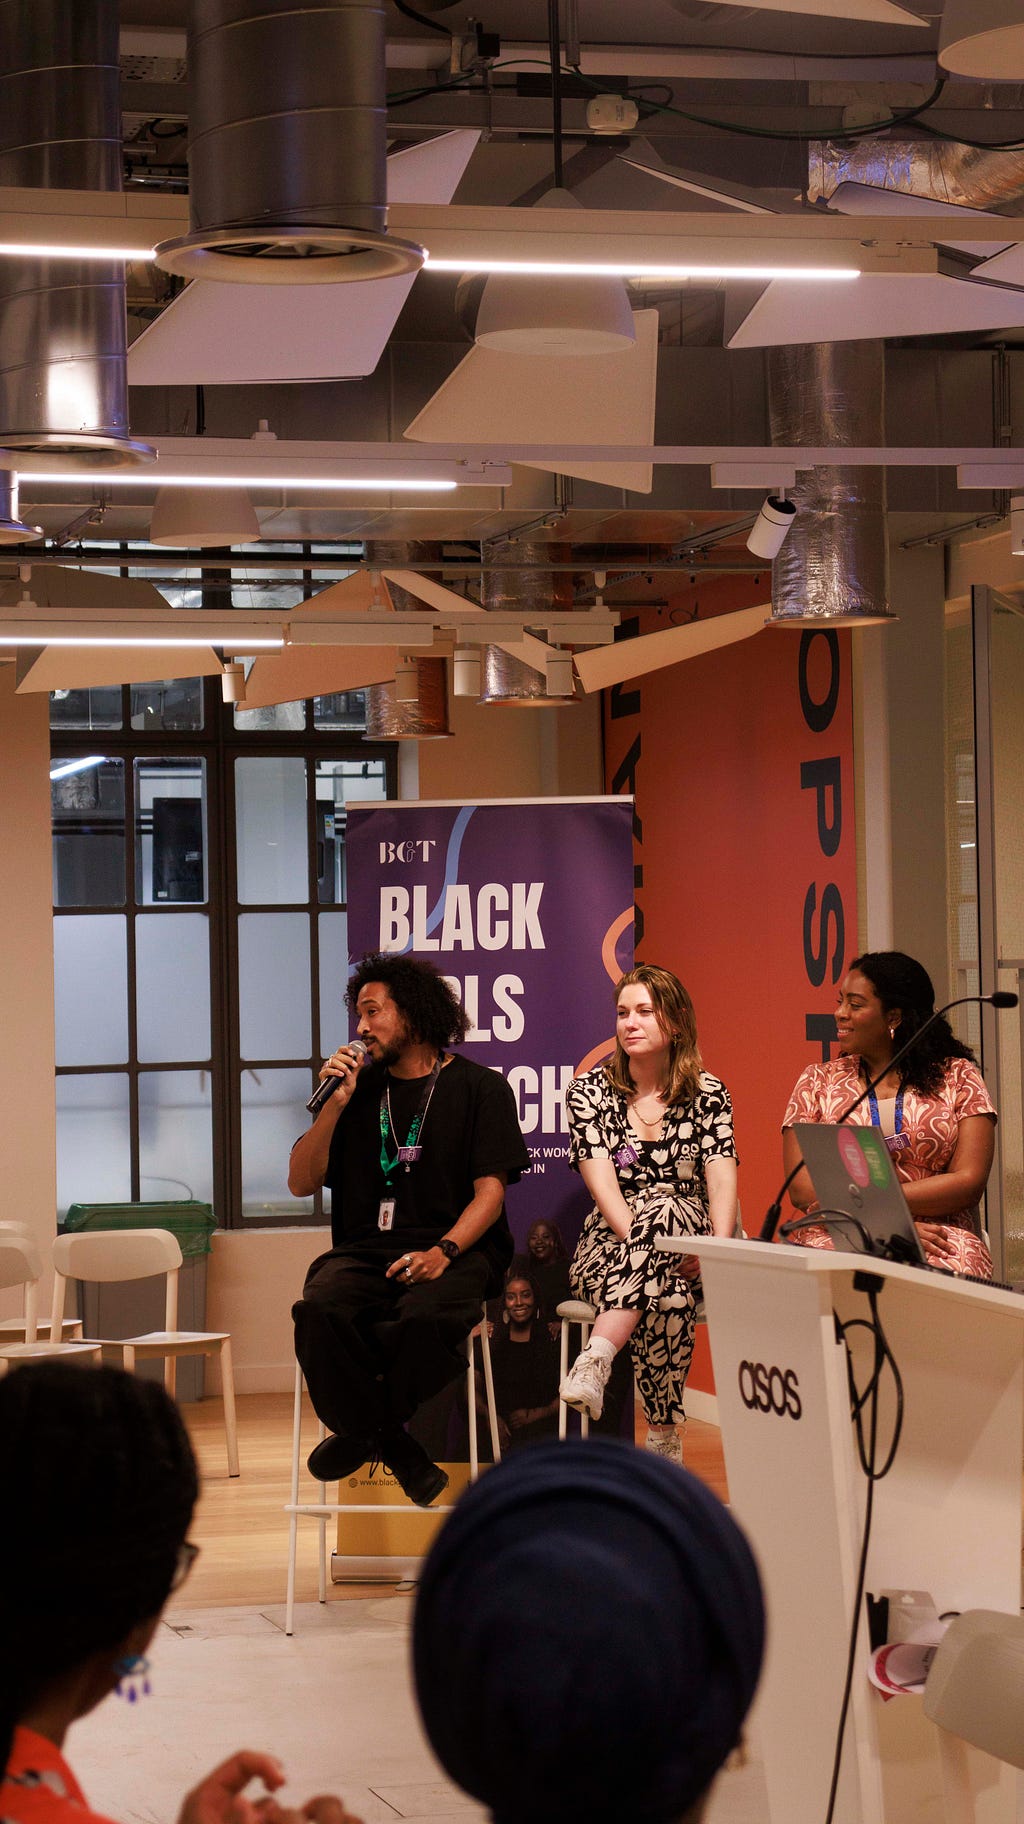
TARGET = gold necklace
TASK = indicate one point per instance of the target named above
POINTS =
(643, 1118)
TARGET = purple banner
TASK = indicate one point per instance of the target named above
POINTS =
(527, 905)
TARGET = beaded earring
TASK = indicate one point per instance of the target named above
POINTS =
(132, 1677)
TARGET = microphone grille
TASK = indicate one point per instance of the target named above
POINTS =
(357, 1044)
(1002, 998)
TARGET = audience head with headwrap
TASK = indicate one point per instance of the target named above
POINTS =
(588, 1638)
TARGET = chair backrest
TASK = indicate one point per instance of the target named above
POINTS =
(20, 1261)
(104, 1256)
(21, 1265)
(107, 1255)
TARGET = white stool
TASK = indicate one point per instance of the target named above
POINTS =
(573, 1311)
(322, 1510)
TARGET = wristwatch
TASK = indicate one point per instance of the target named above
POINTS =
(450, 1249)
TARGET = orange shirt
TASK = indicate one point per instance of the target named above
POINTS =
(39, 1786)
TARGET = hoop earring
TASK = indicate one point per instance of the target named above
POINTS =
(132, 1677)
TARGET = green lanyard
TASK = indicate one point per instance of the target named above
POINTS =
(409, 1153)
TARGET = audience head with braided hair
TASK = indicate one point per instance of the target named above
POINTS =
(103, 1456)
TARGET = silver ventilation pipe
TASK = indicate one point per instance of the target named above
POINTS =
(505, 678)
(973, 177)
(287, 145)
(422, 713)
(834, 565)
(13, 530)
(63, 341)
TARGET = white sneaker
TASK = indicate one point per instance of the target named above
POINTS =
(664, 1441)
(584, 1385)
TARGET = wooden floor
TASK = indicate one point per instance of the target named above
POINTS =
(240, 1525)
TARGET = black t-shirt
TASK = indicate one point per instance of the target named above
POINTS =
(470, 1130)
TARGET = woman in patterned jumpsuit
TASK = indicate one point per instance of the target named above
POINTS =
(651, 1136)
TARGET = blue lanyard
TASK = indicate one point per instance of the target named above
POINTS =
(873, 1105)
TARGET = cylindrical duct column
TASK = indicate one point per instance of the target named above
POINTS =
(834, 565)
(426, 718)
(63, 344)
(505, 678)
(287, 144)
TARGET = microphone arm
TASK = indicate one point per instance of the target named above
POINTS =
(1000, 998)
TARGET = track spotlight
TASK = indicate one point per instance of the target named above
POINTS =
(232, 682)
(768, 532)
(467, 672)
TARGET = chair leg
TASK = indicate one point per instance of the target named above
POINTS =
(171, 1377)
(563, 1369)
(492, 1410)
(227, 1387)
(584, 1416)
(474, 1448)
(128, 1359)
(293, 1518)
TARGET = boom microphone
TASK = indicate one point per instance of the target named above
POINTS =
(1001, 997)
(325, 1090)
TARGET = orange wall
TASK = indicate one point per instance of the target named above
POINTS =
(730, 856)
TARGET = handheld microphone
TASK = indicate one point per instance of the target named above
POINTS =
(325, 1090)
(1001, 998)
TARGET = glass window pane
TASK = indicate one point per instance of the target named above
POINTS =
(334, 973)
(273, 1116)
(87, 808)
(86, 708)
(345, 710)
(270, 815)
(273, 985)
(90, 979)
(273, 718)
(170, 831)
(175, 1134)
(93, 1142)
(168, 704)
(336, 782)
(172, 1008)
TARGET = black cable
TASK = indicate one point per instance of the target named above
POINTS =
(421, 18)
(821, 1218)
(555, 54)
(860, 1398)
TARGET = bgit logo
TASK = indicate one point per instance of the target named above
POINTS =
(416, 849)
(770, 1390)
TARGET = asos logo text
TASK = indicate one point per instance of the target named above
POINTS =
(770, 1390)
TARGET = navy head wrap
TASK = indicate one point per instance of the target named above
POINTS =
(588, 1637)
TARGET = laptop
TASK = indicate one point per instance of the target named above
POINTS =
(853, 1177)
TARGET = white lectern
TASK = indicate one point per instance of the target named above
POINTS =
(947, 1518)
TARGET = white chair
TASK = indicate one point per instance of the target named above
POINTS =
(322, 1510)
(109, 1256)
(30, 1327)
(573, 1311)
(974, 1693)
(21, 1265)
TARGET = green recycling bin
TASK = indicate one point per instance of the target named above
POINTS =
(135, 1306)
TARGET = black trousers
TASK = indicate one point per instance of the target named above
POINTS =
(372, 1349)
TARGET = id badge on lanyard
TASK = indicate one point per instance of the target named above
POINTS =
(899, 1141)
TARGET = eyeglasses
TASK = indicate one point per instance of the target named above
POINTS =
(187, 1555)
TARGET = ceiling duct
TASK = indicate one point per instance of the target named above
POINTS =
(63, 381)
(506, 678)
(287, 145)
(424, 715)
(13, 531)
(834, 565)
(972, 177)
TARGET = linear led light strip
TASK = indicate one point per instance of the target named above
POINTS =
(152, 476)
(623, 269)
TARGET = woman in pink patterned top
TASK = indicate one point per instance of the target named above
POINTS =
(935, 1113)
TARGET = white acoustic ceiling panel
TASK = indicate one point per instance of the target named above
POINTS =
(790, 311)
(215, 334)
(316, 671)
(603, 666)
(881, 12)
(870, 199)
(545, 399)
(1007, 267)
(94, 667)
